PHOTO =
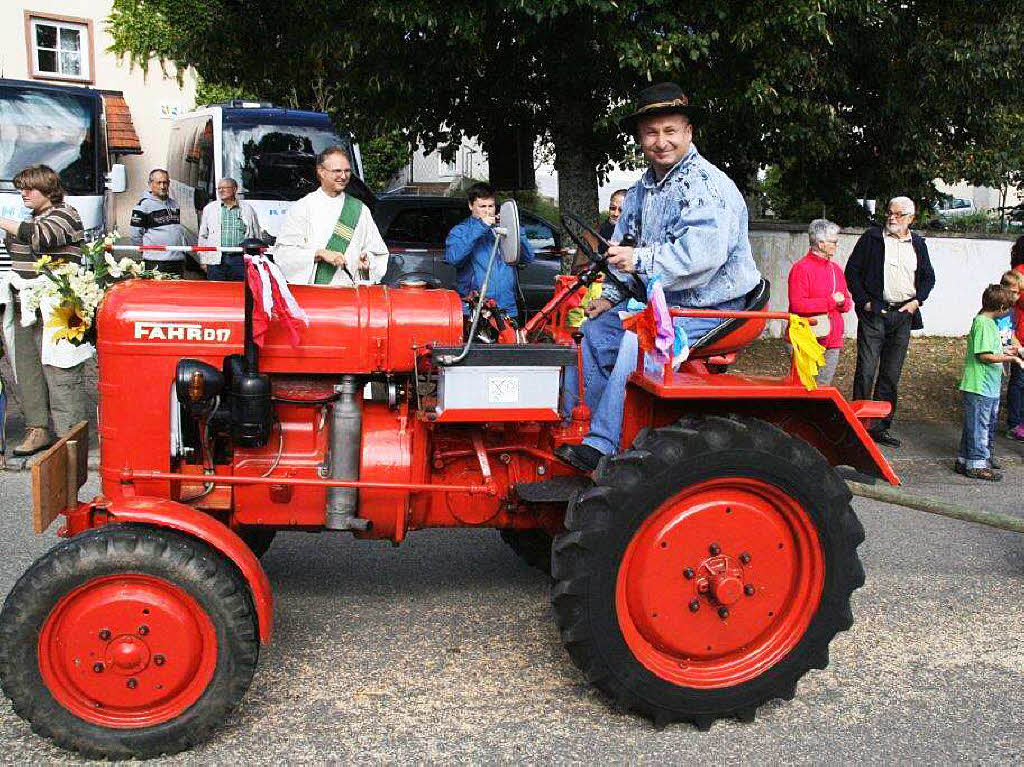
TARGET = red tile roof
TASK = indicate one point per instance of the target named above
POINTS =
(121, 135)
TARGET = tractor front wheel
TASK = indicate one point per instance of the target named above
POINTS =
(707, 570)
(127, 642)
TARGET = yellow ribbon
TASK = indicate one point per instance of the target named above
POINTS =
(808, 354)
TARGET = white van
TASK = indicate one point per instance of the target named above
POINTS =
(60, 126)
(270, 151)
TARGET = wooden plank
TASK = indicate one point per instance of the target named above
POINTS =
(58, 474)
(49, 487)
(80, 434)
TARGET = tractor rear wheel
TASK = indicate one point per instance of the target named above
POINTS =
(531, 546)
(707, 570)
(127, 642)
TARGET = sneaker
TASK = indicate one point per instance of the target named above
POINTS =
(987, 474)
(35, 440)
(1016, 433)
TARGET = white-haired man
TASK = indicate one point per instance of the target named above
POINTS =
(890, 276)
(226, 222)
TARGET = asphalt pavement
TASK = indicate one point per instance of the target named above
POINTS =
(445, 649)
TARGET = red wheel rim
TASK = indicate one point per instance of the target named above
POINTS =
(127, 651)
(720, 583)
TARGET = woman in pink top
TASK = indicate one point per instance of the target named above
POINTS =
(818, 286)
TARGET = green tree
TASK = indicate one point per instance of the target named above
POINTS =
(383, 157)
(994, 158)
(848, 98)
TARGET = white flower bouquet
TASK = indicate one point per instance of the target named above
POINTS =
(76, 290)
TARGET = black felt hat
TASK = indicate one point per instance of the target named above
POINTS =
(661, 99)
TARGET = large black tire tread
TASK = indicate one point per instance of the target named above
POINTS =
(531, 546)
(628, 487)
(190, 564)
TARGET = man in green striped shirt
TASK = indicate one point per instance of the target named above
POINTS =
(226, 222)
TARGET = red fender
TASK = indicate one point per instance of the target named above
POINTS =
(159, 512)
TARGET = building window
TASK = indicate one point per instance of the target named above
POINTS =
(60, 48)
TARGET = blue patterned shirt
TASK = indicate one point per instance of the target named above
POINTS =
(691, 229)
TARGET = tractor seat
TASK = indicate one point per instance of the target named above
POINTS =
(734, 334)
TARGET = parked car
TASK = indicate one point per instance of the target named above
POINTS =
(415, 229)
(954, 207)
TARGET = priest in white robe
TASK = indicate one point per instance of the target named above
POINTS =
(329, 237)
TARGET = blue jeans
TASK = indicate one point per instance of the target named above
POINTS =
(609, 357)
(1015, 397)
(980, 415)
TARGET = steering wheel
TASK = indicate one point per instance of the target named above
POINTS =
(634, 288)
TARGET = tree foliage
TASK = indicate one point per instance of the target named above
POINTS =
(383, 157)
(846, 98)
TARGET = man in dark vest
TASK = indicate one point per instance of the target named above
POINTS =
(890, 276)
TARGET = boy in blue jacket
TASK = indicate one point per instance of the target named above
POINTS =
(468, 248)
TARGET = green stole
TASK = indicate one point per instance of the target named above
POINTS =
(340, 239)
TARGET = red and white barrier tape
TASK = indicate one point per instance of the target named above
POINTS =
(180, 248)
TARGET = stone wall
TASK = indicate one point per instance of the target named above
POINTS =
(964, 265)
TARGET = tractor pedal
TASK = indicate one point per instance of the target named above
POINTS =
(555, 490)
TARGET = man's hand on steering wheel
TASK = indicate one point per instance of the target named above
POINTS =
(621, 257)
(632, 285)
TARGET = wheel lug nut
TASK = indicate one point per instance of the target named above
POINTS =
(143, 630)
(104, 634)
(159, 660)
(748, 590)
(132, 683)
(688, 573)
(723, 612)
(745, 558)
(694, 605)
(715, 549)
(97, 667)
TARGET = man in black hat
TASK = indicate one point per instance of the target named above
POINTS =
(689, 223)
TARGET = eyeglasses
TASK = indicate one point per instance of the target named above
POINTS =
(892, 214)
(339, 171)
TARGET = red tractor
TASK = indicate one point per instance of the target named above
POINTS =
(698, 573)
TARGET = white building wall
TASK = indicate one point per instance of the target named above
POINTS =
(964, 266)
(428, 167)
(152, 98)
(984, 197)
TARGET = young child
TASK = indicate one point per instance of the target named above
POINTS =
(1014, 280)
(980, 384)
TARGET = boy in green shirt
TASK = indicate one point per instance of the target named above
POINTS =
(980, 385)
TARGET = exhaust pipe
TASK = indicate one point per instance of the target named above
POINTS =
(346, 426)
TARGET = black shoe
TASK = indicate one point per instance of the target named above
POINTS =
(960, 468)
(883, 437)
(582, 457)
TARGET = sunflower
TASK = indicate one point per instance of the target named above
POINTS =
(73, 326)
